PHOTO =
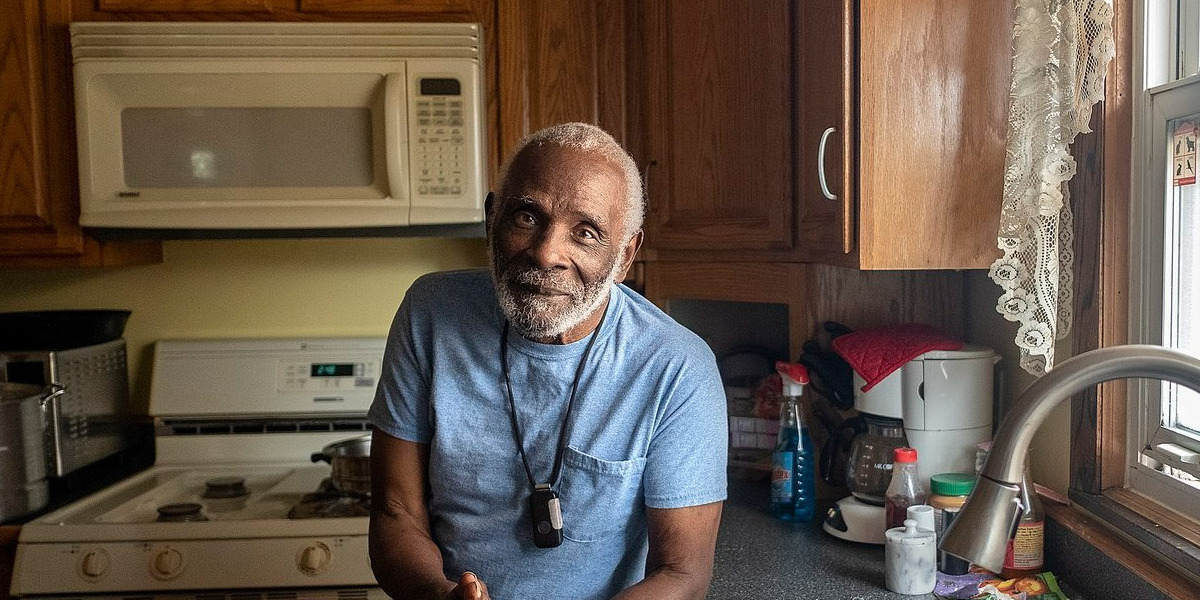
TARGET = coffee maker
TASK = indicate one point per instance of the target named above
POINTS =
(939, 403)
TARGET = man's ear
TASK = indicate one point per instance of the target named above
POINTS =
(628, 253)
(487, 211)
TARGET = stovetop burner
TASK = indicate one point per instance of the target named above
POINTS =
(181, 512)
(328, 502)
(225, 487)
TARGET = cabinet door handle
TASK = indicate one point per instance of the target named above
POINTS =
(821, 164)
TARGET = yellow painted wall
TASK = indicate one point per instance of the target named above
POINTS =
(351, 287)
(245, 288)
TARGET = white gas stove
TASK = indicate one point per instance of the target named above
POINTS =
(234, 504)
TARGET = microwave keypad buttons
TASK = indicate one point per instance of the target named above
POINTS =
(440, 148)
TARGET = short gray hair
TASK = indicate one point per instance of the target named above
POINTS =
(593, 140)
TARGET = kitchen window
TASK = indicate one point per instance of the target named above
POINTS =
(1164, 420)
(1137, 281)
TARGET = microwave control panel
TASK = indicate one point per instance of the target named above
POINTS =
(440, 151)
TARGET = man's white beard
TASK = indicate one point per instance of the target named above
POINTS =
(534, 316)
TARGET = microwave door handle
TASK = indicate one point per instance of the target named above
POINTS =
(394, 118)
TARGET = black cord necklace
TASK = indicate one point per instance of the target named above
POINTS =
(543, 500)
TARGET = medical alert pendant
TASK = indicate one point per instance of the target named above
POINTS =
(547, 517)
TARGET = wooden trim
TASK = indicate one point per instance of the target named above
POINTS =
(205, 6)
(1172, 522)
(775, 283)
(1092, 518)
(1101, 195)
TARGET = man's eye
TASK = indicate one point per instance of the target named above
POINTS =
(586, 234)
(524, 219)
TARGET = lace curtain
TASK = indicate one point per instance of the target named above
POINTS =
(1061, 49)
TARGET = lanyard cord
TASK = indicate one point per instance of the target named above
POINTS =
(562, 432)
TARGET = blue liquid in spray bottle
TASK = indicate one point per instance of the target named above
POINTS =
(793, 470)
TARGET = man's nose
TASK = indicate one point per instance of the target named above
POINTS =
(550, 249)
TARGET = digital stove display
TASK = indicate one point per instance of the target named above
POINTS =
(332, 369)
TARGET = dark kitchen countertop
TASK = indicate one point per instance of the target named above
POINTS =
(762, 558)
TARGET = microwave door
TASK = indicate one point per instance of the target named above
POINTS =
(286, 150)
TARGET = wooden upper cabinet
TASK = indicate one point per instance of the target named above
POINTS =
(39, 198)
(916, 158)
(715, 117)
(560, 62)
(826, 135)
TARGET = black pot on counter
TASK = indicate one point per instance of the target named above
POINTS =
(350, 461)
(23, 485)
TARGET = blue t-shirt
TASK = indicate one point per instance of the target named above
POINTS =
(647, 429)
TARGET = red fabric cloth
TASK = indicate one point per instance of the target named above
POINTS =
(876, 353)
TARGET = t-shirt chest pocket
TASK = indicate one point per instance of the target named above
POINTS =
(597, 496)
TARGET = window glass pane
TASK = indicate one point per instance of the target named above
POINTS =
(247, 147)
(1187, 38)
(1181, 406)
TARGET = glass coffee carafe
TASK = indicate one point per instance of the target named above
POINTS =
(869, 469)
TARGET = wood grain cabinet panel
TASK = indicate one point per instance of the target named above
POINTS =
(858, 133)
(916, 154)
(561, 62)
(388, 6)
(184, 6)
(39, 198)
(23, 201)
(715, 123)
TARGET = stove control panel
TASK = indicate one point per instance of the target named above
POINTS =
(302, 375)
(264, 377)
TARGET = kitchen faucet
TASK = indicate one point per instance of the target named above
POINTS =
(980, 531)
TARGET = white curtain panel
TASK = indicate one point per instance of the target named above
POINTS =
(1061, 49)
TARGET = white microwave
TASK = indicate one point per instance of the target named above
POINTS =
(243, 129)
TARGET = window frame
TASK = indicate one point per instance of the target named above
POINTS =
(1167, 548)
(1158, 106)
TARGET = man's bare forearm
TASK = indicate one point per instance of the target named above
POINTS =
(406, 562)
(670, 583)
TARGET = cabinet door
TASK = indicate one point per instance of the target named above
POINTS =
(39, 206)
(826, 136)
(562, 62)
(717, 119)
(24, 203)
(934, 87)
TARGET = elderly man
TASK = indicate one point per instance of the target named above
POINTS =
(541, 432)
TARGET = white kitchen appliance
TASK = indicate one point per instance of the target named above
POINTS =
(234, 500)
(297, 127)
(944, 400)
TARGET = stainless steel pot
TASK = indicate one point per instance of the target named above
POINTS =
(350, 462)
(23, 487)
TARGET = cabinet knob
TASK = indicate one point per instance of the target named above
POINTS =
(821, 164)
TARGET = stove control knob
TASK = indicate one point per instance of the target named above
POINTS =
(94, 564)
(313, 558)
(167, 563)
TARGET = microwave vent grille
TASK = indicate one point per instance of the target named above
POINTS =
(97, 40)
